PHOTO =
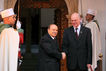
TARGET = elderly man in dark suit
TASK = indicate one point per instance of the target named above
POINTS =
(77, 44)
(49, 52)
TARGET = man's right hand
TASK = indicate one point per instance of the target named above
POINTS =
(63, 55)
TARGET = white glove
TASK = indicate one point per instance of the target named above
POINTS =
(18, 24)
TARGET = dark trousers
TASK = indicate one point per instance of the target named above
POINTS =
(77, 70)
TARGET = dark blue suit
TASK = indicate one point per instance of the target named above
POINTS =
(49, 54)
(79, 51)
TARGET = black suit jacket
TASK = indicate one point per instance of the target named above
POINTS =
(49, 54)
(79, 51)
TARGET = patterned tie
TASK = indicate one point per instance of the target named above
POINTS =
(76, 33)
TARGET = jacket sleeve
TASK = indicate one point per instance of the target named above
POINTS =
(46, 45)
(65, 42)
(89, 46)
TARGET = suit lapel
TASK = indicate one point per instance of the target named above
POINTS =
(54, 41)
(73, 33)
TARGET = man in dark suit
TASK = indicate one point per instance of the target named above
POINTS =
(78, 45)
(49, 52)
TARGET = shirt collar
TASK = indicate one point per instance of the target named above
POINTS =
(52, 37)
(78, 27)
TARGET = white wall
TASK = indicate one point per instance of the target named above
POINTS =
(105, 34)
(1, 4)
(100, 7)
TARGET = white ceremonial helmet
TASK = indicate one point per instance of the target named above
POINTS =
(92, 12)
(7, 12)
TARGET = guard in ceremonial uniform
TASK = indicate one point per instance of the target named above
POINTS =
(9, 42)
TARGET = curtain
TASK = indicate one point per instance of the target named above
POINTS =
(9, 4)
(73, 6)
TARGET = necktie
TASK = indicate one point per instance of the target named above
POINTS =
(76, 33)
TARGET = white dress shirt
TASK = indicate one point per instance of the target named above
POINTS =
(78, 29)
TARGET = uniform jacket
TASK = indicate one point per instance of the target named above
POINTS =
(96, 42)
(9, 43)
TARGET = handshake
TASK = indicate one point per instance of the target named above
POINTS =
(63, 55)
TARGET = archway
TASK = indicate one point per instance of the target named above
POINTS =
(31, 10)
(27, 9)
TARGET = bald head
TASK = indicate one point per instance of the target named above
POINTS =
(75, 15)
(75, 20)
